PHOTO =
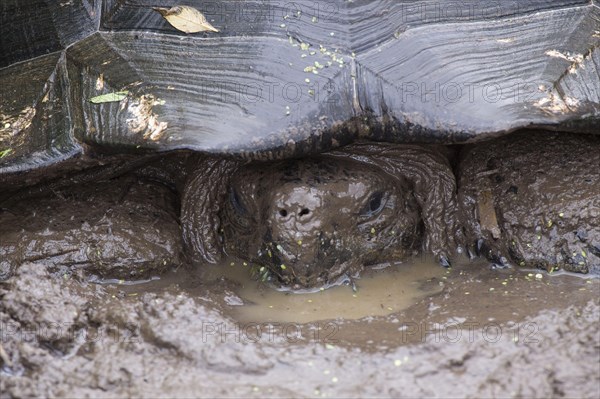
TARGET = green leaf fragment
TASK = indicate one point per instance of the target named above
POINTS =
(5, 152)
(110, 97)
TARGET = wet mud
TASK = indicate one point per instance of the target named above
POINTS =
(501, 333)
(378, 292)
(104, 290)
(124, 228)
(532, 199)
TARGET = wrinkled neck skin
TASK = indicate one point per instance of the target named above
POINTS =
(319, 221)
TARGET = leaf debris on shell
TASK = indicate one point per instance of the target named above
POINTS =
(186, 19)
(5, 153)
(110, 97)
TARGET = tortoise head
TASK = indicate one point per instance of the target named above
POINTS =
(317, 221)
(313, 221)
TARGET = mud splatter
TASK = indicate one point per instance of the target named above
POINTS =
(143, 119)
(67, 337)
(13, 125)
(576, 60)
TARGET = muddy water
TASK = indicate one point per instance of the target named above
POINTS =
(379, 291)
(501, 333)
(411, 302)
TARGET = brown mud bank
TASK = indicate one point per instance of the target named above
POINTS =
(470, 331)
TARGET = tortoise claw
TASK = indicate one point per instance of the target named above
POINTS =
(348, 280)
(492, 254)
(445, 262)
(353, 285)
(480, 246)
(502, 264)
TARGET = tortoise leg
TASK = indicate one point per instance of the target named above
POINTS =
(123, 228)
(532, 199)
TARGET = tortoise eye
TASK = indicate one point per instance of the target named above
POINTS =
(237, 203)
(375, 204)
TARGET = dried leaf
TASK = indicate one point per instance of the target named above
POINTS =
(186, 19)
(487, 214)
(110, 97)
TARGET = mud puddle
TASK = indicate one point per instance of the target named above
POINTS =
(405, 303)
(379, 291)
(213, 333)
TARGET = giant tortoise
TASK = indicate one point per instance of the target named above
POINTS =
(310, 138)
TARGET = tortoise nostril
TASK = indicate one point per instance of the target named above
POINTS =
(304, 211)
(283, 213)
